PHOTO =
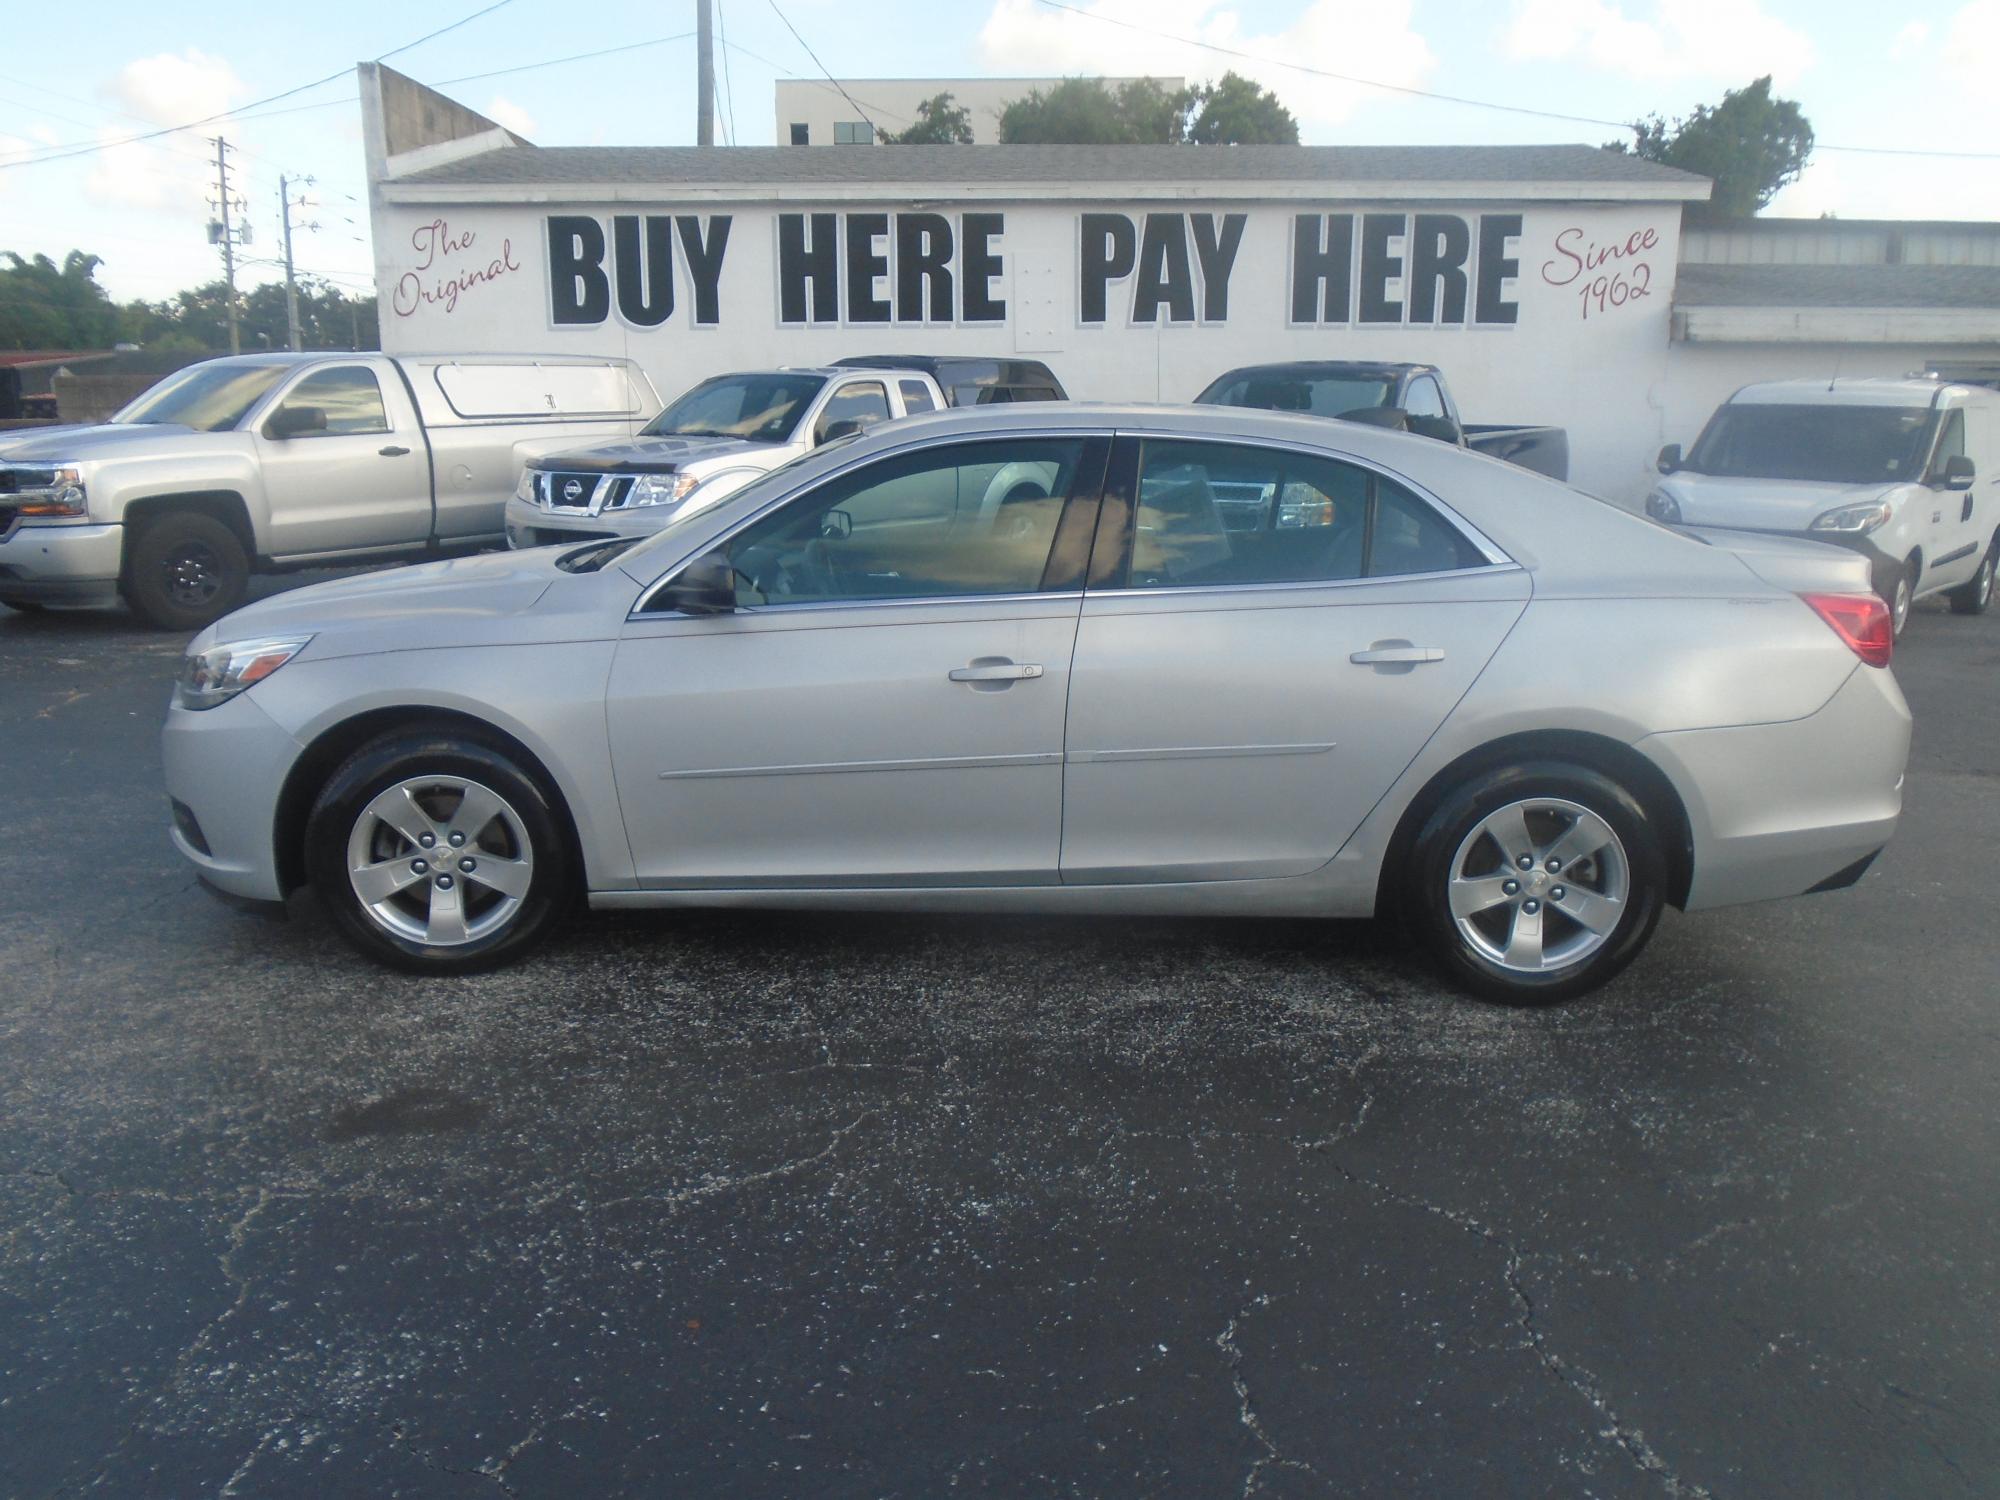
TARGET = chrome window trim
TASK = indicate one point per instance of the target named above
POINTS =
(1487, 570)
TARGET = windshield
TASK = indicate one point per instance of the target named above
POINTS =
(1831, 444)
(757, 408)
(1320, 395)
(210, 397)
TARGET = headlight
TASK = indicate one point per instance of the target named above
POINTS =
(62, 495)
(525, 490)
(221, 672)
(1855, 520)
(1664, 508)
(661, 489)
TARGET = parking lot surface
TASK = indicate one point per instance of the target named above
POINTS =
(776, 1204)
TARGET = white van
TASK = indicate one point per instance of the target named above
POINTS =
(1904, 471)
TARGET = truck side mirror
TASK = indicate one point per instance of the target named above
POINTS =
(841, 427)
(292, 421)
(1669, 459)
(1392, 417)
(1957, 473)
(706, 586)
(1442, 428)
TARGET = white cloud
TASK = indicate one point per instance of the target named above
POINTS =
(172, 88)
(1971, 42)
(504, 111)
(1731, 40)
(1374, 41)
(1910, 40)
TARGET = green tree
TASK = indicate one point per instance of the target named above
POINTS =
(1237, 111)
(48, 306)
(939, 122)
(1751, 144)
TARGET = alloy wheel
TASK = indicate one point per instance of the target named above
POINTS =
(1539, 884)
(439, 860)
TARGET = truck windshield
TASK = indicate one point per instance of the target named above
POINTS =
(1320, 395)
(1831, 444)
(209, 397)
(756, 408)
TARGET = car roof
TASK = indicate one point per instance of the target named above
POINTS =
(1865, 390)
(1331, 367)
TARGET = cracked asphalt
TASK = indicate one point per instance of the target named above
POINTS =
(807, 1205)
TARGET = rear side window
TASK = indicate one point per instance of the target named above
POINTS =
(916, 396)
(349, 395)
(528, 390)
(1217, 514)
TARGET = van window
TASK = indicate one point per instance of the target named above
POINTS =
(1951, 440)
(1836, 443)
(530, 390)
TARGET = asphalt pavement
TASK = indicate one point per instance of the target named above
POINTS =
(802, 1205)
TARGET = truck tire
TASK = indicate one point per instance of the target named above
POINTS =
(184, 570)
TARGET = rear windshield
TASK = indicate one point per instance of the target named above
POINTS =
(1831, 444)
(759, 408)
(1320, 395)
(210, 397)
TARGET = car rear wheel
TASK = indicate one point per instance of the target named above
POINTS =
(1535, 883)
(1975, 596)
(184, 570)
(438, 854)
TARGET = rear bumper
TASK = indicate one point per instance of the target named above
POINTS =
(62, 564)
(1783, 809)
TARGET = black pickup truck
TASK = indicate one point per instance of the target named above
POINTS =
(1409, 397)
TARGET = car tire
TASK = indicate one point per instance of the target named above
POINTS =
(1975, 596)
(185, 570)
(1532, 935)
(407, 837)
(1901, 595)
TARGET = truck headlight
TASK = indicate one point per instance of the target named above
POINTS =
(525, 490)
(63, 495)
(661, 489)
(222, 671)
(1663, 508)
(1854, 520)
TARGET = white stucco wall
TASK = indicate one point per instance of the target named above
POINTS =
(469, 276)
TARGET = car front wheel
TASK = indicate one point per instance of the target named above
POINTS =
(1535, 883)
(438, 854)
(1975, 596)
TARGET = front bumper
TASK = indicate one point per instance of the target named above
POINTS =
(1782, 809)
(61, 564)
(529, 525)
(226, 766)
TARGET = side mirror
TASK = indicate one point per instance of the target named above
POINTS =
(1669, 460)
(1392, 417)
(292, 421)
(841, 427)
(1442, 428)
(706, 586)
(1957, 473)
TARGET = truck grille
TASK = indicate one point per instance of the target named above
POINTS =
(580, 494)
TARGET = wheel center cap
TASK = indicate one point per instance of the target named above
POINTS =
(1539, 881)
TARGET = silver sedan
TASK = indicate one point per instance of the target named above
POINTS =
(1068, 659)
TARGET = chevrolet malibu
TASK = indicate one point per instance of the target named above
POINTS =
(1068, 659)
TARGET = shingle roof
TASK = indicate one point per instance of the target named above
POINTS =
(1837, 286)
(834, 165)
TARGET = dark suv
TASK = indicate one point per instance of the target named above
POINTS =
(968, 381)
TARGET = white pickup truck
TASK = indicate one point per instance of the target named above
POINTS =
(704, 447)
(273, 461)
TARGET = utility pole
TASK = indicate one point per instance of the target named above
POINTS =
(226, 234)
(285, 207)
(704, 77)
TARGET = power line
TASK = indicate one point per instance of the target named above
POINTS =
(822, 66)
(728, 93)
(678, 36)
(1397, 88)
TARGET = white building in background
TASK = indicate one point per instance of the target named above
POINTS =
(1553, 284)
(816, 112)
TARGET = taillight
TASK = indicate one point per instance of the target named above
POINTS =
(1861, 620)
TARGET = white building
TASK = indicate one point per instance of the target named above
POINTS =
(1552, 283)
(819, 112)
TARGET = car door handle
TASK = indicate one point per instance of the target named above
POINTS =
(994, 672)
(392, 451)
(1396, 654)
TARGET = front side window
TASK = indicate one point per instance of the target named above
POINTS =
(966, 519)
(1832, 444)
(862, 401)
(1423, 398)
(1951, 441)
(916, 396)
(211, 397)
(762, 408)
(1217, 514)
(350, 396)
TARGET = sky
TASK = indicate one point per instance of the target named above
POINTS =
(76, 80)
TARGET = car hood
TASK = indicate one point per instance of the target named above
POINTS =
(105, 440)
(647, 455)
(1765, 504)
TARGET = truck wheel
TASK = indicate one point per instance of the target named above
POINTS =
(1533, 883)
(1973, 598)
(185, 570)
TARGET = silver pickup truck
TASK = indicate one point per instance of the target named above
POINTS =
(273, 461)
